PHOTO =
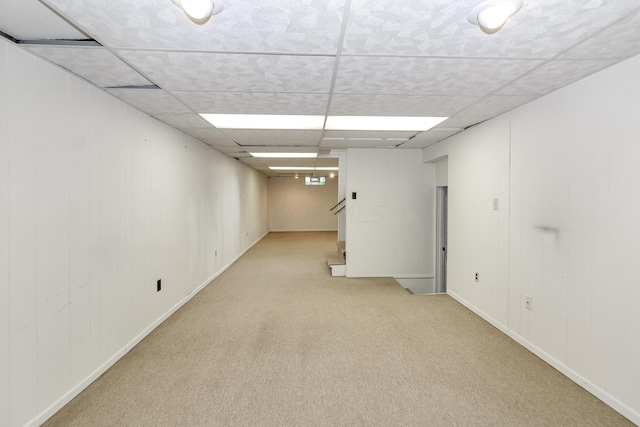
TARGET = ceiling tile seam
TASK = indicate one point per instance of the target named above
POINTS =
(113, 52)
(592, 35)
(346, 10)
(57, 12)
(247, 91)
(564, 52)
(228, 52)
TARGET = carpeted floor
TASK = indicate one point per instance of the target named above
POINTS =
(277, 341)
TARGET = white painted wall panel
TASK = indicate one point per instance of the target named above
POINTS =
(23, 214)
(79, 235)
(572, 231)
(97, 202)
(52, 232)
(5, 361)
(390, 227)
(298, 207)
(478, 234)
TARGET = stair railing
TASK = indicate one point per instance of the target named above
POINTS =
(338, 204)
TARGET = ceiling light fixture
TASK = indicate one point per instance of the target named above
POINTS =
(291, 168)
(285, 155)
(199, 11)
(264, 121)
(491, 15)
(382, 123)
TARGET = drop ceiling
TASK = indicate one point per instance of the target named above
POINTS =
(330, 57)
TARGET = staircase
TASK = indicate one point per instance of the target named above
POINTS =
(337, 261)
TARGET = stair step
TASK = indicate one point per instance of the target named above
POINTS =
(334, 258)
(342, 248)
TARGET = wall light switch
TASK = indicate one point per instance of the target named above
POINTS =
(495, 204)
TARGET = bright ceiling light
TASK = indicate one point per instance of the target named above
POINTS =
(291, 168)
(382, 123)
(285, 155)
(264, 121)
(491, 15)
(324, 168)
(199, 11)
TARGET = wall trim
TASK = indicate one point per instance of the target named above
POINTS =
(301, 230)
(78, 388)
(598, 392)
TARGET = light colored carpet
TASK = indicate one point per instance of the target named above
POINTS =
(277, 341)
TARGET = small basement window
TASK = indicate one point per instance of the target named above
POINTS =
(314, 180)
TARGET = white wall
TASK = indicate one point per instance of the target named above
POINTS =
(294, 206)
(390, 227)
(97, 202)
(442, 172)
(567, 173)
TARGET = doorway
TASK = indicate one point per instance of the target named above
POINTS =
(441, 239)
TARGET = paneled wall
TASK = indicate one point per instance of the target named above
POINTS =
(566, 172)
(390, 226)
(294, 206)
(97, 202)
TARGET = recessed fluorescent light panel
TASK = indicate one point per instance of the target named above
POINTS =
(302, 168)
(303, 122)
(291, 168)
(285, 155)
(382, 123)
(264, 121)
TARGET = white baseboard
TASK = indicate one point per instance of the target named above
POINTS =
(302, 230)
(78, 388)
(592, 388)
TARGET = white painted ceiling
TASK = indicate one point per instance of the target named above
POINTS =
(338, 57)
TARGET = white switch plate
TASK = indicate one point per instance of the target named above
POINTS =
(495, 204)
(528, 302)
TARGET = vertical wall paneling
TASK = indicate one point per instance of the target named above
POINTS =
(97, 202)
(571, 230)
(79, 233)
(23, 203)
(5, 360)
(295, 206)
(52, 231)
(478, 238)
(623, 374)
(390, 227)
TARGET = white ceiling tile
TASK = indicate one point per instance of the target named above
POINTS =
(244, 25)
(287, 149)
(425, 139)
(433, 76)
(31, 20)
(553, 75)
(212, 136)
(485, 109)
(620, 40)
(541, 29)
(360, 134)
(150, 101)
(357, 143)
(398, 105)
(183, 120)
(95, 64)
(274, 137)
(254, 103)
(234, 72)
(306, 163)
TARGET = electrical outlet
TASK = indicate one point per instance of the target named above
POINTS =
(477, 277)
(528, 302)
